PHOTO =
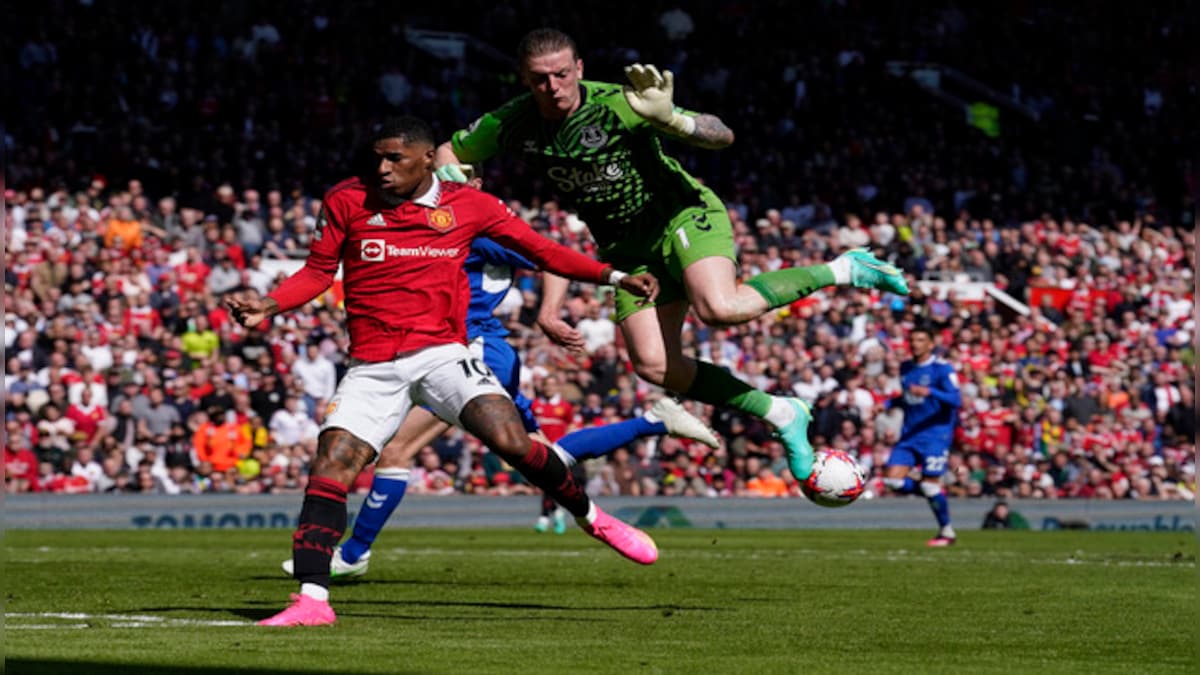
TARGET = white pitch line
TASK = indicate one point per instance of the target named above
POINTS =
(120, 620)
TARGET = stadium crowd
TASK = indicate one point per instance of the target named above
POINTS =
(123, 372)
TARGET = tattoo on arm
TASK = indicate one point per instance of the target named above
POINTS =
(341, 455)
(711, 132)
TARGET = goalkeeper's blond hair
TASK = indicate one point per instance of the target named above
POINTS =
(541, 41)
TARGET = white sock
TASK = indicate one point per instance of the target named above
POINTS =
(589, 517)
(650, 417)
(565, 456)
(315, 591)
(781, 413)
(948, 532)
(840, 266)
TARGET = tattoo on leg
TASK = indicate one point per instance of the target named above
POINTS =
(495, 421)
(341, 455)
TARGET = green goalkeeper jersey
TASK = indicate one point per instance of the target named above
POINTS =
(604, 160)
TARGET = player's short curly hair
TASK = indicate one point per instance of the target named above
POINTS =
(408, 128)
(541, 41)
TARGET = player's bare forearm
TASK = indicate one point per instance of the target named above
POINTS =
(554, 294)
(341, 455)
(710, 133)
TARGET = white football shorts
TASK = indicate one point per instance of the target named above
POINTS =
(374, 398)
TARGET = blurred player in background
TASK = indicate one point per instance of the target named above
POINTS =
(402, 237)
(930, 399)
(599, 145)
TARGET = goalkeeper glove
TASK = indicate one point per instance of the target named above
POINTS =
(455, 173)
(650, 96)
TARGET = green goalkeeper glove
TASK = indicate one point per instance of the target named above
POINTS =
(650, 96)
(455, 173)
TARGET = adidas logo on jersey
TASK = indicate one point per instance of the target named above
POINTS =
(377, 220)
(483, 382)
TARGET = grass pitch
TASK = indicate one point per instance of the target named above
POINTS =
(512, 601)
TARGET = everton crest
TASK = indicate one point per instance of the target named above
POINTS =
(592, 137)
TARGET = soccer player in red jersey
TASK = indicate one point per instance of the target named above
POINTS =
(402, 236)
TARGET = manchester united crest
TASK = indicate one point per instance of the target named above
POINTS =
(440, 219)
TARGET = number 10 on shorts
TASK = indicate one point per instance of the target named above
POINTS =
(479, 367)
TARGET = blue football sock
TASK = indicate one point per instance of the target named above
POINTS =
(938, 503)
(599, 441)
(387, 489)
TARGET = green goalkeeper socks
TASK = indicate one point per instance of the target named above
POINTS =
(717, 386)
(783, 287)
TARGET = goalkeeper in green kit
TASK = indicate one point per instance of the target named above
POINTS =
(599, 146)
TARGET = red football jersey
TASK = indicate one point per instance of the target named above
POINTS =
(403, 265)
(554, 417)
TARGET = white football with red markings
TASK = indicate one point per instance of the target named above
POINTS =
(836, 480)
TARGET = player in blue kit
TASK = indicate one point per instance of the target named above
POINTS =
(930, 400)
(489, 270)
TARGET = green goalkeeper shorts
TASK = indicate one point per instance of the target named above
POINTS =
(698, 231)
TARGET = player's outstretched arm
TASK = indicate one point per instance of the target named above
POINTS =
(324, 255)
(651, 93)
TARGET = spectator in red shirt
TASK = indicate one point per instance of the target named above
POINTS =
(20, 464)
(140, 318)
(192, 275)
(90, 418)
(554, 414)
